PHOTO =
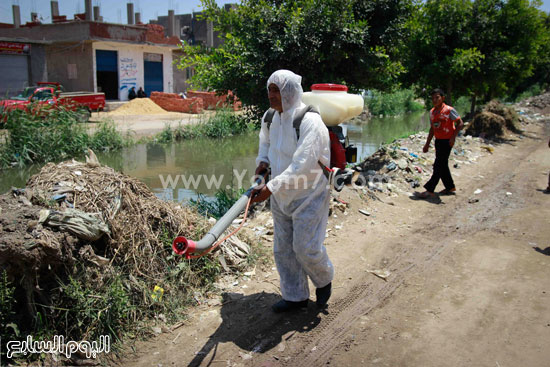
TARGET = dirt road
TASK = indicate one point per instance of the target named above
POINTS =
(468, 284)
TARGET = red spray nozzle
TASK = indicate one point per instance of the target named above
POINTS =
(183, 246)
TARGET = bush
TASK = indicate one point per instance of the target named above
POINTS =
(37, 136)
(393, 103)
(220, 125)
(224, 200)
(8, 328)
(86, 312)
(532, 91)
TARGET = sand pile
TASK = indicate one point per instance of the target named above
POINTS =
(138, 106)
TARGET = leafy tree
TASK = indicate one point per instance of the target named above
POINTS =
(354, 42)
(480, 48)
(540, 77)
(439, 51)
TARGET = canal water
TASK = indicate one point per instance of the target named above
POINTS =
(177, 172)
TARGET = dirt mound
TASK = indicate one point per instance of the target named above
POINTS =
(29, 251)
(487, 124)
(494, 121)
(138, 106)
(511, 117)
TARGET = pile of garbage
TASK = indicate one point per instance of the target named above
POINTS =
(540, 103)
(401, 166)
(76, 220)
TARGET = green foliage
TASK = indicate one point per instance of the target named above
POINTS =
(393, 103)
(89, 312)
(462, 105)
(224, 200)
(477, 48)
(51, 135)
(533, 90)
(352, 42)
(464, 61)
(106, 138)
(8, 327)
(220, 125)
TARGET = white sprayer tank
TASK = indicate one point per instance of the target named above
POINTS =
(334, 103)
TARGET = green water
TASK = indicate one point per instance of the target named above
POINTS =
(368, 136)
(207, 165)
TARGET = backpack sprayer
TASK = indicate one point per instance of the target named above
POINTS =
(335, 106)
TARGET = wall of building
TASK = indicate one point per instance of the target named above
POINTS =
(22, 64)
(181, 77)
(71, 64)
(131, 66)
(39, 64)
(190, 29)
(59, 31)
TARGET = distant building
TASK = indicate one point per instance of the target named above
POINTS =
(193, 30)
(86, 55)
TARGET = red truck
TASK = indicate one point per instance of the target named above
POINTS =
(51, 94)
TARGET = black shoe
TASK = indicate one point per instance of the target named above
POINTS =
(286, 306)
(323, 294)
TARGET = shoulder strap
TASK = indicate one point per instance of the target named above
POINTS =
(298, 117)
(268, 118)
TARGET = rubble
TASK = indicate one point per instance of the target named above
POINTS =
(538, 104)
(401, 166)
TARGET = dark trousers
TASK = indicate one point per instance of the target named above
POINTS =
(441, 166)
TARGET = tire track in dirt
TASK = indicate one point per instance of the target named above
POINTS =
(319, 344)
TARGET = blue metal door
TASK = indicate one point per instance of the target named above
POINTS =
(107, 73)
(153, 74)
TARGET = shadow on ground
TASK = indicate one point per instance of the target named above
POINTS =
(432, 200)
(249, 323)
(545, 251)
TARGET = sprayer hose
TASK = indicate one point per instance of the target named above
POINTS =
(219, 242)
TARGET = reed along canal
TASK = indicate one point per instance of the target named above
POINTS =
(179, 171)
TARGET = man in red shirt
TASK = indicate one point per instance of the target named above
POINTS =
(445, 123)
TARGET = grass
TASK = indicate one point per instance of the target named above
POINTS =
(220, 125)
(393, 103)
(87, 312)
(52, 135)
(224, 200)
(8, 325)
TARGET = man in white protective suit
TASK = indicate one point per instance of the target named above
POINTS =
(299, 193)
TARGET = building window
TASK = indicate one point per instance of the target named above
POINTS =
(71, 71)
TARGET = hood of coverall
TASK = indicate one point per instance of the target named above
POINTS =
(290, 87)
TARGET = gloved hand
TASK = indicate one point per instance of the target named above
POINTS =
(262, 167)
(260, 193)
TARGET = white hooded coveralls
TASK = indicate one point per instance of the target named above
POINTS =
(300, 196)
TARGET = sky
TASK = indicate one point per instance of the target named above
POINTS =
(114, 11)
